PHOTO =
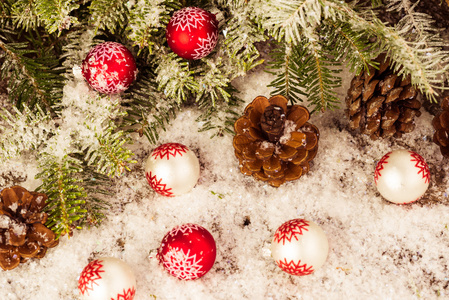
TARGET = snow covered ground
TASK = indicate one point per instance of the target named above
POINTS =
(378, 250)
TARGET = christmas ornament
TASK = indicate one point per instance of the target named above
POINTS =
(187, 252)
(109, 68)
(381, 103)
(23, 234)
(441, 125)
(107, 278)
(273, 141)
(192, 32)
(299, 247)
(172, 169)
(402, 176)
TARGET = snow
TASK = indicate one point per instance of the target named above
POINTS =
(378, 250)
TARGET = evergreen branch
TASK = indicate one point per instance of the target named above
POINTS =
(148, 109)
(65, 195)
(348, 45)
(175, 78)
(24, 15)
(56, 14)
(289, 66)
(24, 131)
(322, 80)
(109, 15)
(109, 155)
(414, 56)
(148, 19)
(212, 82)
(33, 76)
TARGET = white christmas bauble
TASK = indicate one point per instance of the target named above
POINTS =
(107, 278)
(402, 176)
(172, 169)
(299, 247)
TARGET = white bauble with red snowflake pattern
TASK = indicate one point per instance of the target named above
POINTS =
(299, 247)
(187, 252)
(402, 176)
(107, 278)
(172, 169)
(192, 32)
(109, 68)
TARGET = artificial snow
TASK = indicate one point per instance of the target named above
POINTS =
(378, 250)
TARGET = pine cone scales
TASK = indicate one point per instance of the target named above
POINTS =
(273, 141)
(382, 104)
(441, 125)
(23, 234)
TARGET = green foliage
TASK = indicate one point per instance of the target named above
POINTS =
(56, 14)
(106, 14)
(66, 196)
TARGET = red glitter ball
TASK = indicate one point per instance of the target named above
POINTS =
(109, 68)
(187, 252)
(192, 32)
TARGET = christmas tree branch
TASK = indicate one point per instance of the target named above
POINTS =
(56, 14)
(109, 15)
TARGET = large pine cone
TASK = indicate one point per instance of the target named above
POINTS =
(381, 103)
(441, 124)
(273, 141)
(23, 234)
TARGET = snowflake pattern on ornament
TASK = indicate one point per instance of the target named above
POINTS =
(206, 46)
(380, 166)
(157, 186)
(101, 79)
(189, 18)
(289, 230)
(169, 149)
(294, 269)
(184, 229)
(90, 274)
(182, 265)
(127, 294)
(421, 165)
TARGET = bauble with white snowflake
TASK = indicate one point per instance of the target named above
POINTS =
(299, 247)
(402, 176)
(192, 33)
(109, 68)
(107, 278)
(172, 169)
(187, 252)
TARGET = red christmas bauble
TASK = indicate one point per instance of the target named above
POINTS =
(187, 252)
(192, 32)
(109, 68)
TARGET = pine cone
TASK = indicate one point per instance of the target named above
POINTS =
(273, 141)
(23, 234)
(441, 124)
(381, 103)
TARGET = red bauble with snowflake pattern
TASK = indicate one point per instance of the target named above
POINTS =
(107, 278)
(109, 68)
(187, 252)
(172, 169)
(402, 176)
(299, 247)
(192, 32)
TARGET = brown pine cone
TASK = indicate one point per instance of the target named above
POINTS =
(23, 234)
(441, 124)
(273, 141)
(381, 103)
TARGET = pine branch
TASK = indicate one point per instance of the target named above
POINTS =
(212, 82)
(289, 66)
(148, 110)
(66, 198)
(23, 131)
(33, 75)
(147, 22)
(56, 14)
(24, 15)
(110, 15)
(175, 77)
